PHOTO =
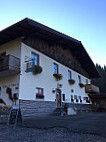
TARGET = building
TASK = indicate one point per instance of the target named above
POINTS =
(43, 69)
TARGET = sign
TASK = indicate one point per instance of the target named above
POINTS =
(29, 66)
(15, 116)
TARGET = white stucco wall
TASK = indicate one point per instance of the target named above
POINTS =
(12, 81)
(12, 48)
(29, 82)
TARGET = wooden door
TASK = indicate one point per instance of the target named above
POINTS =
(58, 97)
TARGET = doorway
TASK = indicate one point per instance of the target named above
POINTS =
(58, 98)
(0, 91)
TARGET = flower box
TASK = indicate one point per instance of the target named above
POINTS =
(81, 85)
(37, 69)
(58, 76)
(71, 81)
(39, 96)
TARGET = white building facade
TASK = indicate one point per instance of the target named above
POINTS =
(47, 81)
(21, 84)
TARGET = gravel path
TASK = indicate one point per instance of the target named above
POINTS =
(8, 134)
(86, 127)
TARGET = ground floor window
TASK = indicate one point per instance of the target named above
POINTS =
(80, 99)
(75, 98)
(72, 99)
(39, 93)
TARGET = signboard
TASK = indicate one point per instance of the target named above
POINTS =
(15, 116)
(29, 66)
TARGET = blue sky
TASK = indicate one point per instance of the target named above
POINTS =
(84, 20)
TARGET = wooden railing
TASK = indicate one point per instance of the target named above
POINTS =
(9, 63)
(90, 88)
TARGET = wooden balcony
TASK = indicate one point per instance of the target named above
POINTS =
(9, 65)
(90, 88)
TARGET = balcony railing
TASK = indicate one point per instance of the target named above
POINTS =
(89, 88)
(9, 65)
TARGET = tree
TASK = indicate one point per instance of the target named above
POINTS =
(101, 82)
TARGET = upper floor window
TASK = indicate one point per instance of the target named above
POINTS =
(69, 75)
(79, 79)
(35, 58)
(55, 68)
(86, 81)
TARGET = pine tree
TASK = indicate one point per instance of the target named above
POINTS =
(101, 82)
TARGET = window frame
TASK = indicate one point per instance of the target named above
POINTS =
(79, 79)
(57, 68)
(75, 97)
(42, 93)
(86, 81)
(69, 73)
(72, 98)
(37, 57)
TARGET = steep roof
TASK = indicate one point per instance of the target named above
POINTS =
(27, 27)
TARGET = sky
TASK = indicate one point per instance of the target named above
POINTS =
(84, 20)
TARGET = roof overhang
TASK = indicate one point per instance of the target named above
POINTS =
(28, 27)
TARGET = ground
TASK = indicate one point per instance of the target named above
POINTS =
(85, 127)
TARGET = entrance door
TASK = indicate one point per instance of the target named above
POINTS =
(0, 91)
(58, 97)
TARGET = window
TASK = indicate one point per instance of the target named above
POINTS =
(39, 93)
(69, 75)
(55, 68)
(75, 96)
(79, 79)
(84, 98)
(72, 100)
(35, 58)
(63, 97)
(86, 81)
(79, 97)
